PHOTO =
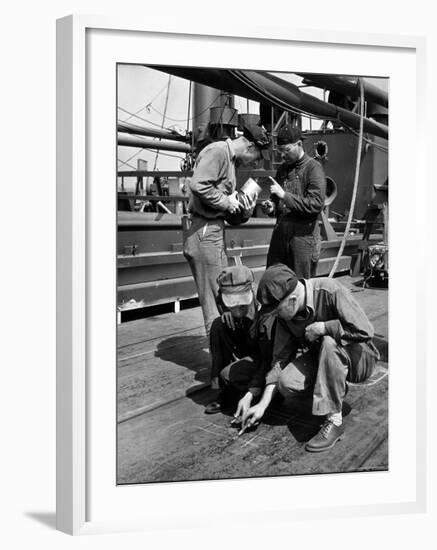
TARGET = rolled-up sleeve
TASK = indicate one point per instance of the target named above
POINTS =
(209, 171)
(311, 203)
(352, 324)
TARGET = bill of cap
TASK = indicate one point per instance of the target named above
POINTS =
(237, 298)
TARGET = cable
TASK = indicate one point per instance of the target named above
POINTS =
(272, 99)
(127, 164)
(134, 155)
(355, 187)
(163, 117)
(163, 154)
(376, 145)
(149, 104)
(189, 107)
(143, 119)
(191, 118)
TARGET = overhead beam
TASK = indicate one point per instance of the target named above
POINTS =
(148, 131)
(129, 140)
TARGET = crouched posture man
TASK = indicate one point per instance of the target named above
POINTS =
(241, 346)
(323, 338)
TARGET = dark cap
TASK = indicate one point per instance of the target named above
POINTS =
(235, 285)
(259, 136)
(277, 282)
(289, 134)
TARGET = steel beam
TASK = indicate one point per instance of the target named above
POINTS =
(149, 131)
(147, 143)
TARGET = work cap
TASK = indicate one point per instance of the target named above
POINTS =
(277, 282)
(235, 285)
(289, 134)
(259, 136)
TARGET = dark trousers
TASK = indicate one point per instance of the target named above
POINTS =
(232, 355)
(325, 370)
(296, 245)
(204, 249)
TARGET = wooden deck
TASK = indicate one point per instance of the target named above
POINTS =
(164, 435)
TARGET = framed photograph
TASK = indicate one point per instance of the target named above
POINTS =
(157, 424)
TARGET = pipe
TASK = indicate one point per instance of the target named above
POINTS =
(267, 88)
(312, 105)
(146, 143)
(147, 131)
(348, 86)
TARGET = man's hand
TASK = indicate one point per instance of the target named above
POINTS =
(243, 406)
(228, 320)
(247, 203)
(234, 204)
(267, 207)
(215, 383)
(314, 331)
(252, 417)
(276, 189)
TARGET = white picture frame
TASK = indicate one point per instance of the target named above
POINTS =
(78, 342)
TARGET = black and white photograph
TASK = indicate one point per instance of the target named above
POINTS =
(252, 273)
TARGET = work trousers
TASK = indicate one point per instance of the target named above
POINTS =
(232, 354)
(297, 245)
(204, 248)
(325, 370)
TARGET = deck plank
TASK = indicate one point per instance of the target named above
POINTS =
(179, 442)
(163, 359)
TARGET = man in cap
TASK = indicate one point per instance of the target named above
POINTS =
(323, 338)
(212, 197)
(241, 348)
(297, 199)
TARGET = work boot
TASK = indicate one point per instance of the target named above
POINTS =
(326, 438)
(220, 404)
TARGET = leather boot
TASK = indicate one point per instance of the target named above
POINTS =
(326, 438)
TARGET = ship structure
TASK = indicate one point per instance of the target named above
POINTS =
(163, 362)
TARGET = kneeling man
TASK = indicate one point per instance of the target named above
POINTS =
(240, 344)
(323, 338)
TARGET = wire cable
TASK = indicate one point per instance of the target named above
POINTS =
(163, 117)
(127, 164)
(191, 118)
(147, 105)
(141, 118)
(355, 187)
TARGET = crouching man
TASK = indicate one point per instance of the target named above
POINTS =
(241, 346)
(323, 338)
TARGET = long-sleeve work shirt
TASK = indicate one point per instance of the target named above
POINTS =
(213, 180)
(327, 301)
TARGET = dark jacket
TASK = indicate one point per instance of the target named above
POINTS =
(254, 338)
(304, 184)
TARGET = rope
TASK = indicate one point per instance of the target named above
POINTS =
(191, 118)
(355, 188)
(163, 118)
(147, 105)
(142, 118)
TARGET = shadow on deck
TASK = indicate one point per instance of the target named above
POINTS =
(164, 435)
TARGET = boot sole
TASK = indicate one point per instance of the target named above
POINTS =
(322, 449)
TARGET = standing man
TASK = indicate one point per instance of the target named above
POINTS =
(298, 196)
(323, 338)
(212, 197)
